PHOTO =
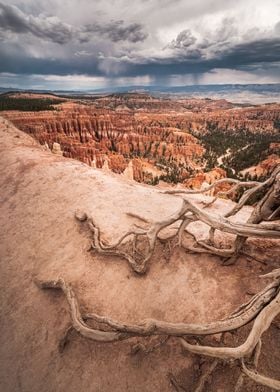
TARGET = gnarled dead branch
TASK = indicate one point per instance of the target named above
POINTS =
(259, 225)
(263, 308)
(261, 324)
(239, 184)
(243, 315)
(256, 356)
(260, 379)
(267, 209)
(78, 323)
(204, 377)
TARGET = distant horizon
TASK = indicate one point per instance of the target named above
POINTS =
(148, 87)
(252, 94)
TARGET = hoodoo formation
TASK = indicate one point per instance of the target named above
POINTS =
(172, 140)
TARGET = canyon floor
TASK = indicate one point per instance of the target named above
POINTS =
(40, 238)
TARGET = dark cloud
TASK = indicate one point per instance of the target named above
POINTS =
(18, 61)
(183, 40)
(50, 28)
(188, 55)
(255, 52)
(53, 29)
(243, 56)
(116, 31)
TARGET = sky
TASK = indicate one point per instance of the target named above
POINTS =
(91, 44)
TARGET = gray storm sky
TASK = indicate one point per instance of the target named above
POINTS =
(79, 44)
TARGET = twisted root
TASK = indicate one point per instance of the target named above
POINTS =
(187, 213)
(263, 308)
(267, 209)
(259, 306)
(261, 324)
(260, 379)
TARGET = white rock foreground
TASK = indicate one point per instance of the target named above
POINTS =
(39, 237)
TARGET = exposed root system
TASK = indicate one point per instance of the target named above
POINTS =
(137, 246)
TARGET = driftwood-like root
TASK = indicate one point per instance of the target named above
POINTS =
(175, 383)
(257, 226)
(267, 209)
(204, 377)
(256, 355)
(139, 347)
(260, 379)
(254, 375)
(261, 324)
(78, 322)
(149, 327)
(263, 308)
(238, 184)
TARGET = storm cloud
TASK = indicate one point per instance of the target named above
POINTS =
(150, 40)
(16, 21)
(115, 31)
(183, 40)
(53, 29)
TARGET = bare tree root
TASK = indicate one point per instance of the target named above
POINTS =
(138, 264)
(262, 230)
(120, 331)
(65, 339)
(175, 383)
(204, 377)
(253, 186)
(236, 248)
(238, 183)
(139, 347)
(243, 231)
(256, 356)
(254, 375)
(252, 344)
(266, 210)
(262, 308)
(260, 379)
(189, 212)
(112, 249)
(239, 383)
(78, 323)
(261, 324)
